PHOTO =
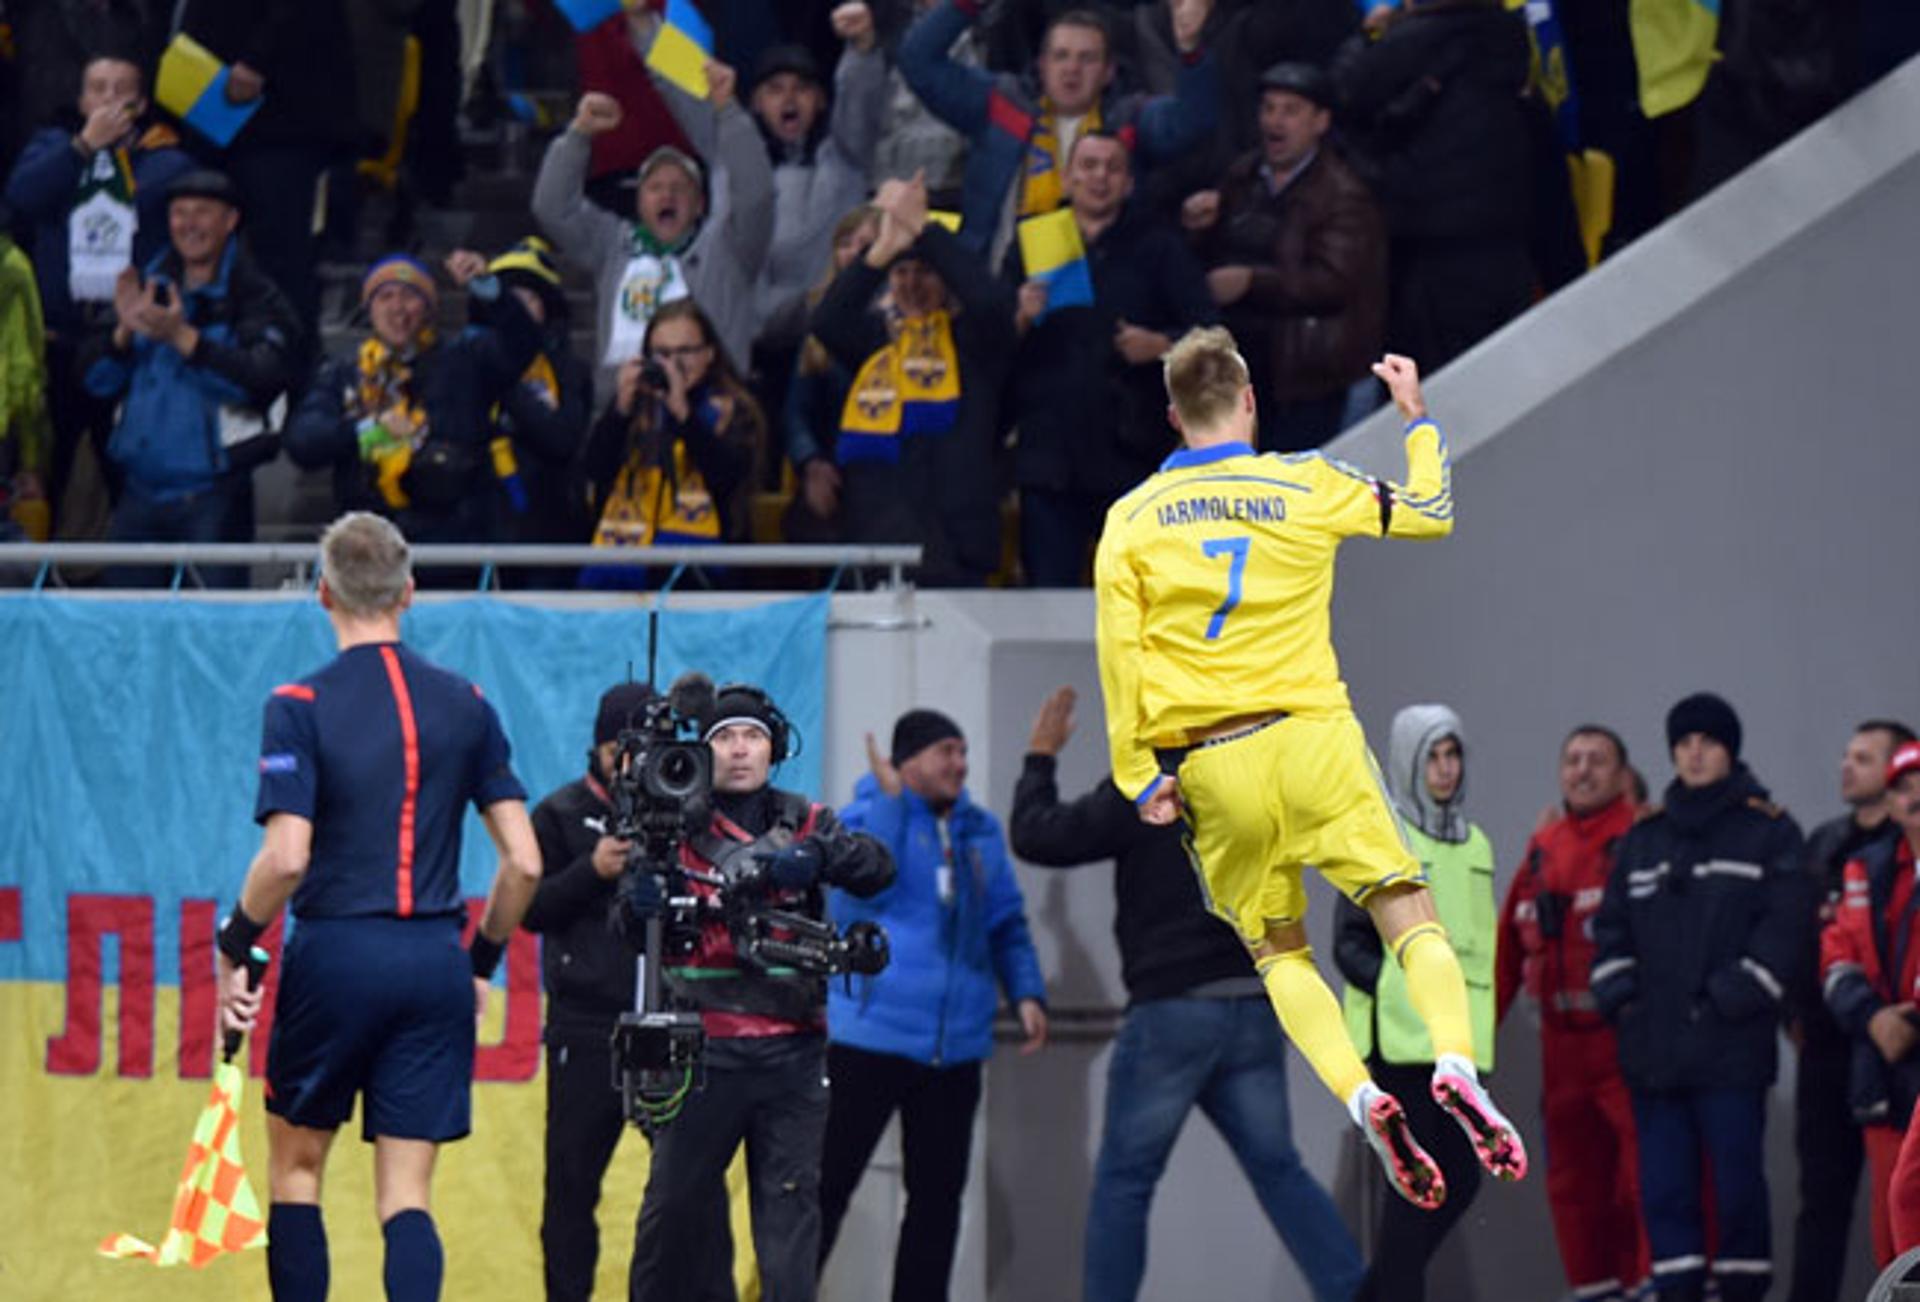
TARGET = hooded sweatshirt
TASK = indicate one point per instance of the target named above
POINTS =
(1457, 860)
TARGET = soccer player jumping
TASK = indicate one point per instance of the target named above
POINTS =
(1225, 705)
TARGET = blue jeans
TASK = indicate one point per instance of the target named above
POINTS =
(1229, 1057)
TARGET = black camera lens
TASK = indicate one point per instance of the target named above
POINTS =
(654, 375)
(678, 771)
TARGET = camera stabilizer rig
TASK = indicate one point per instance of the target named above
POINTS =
(661, 789)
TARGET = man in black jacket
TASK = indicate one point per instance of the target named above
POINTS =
(1086, 390)
(1702, 925)
(590, 978)
(1198, 1030)
(919, 430)
(1825, 1135)
(1439, 128)
(297, 58)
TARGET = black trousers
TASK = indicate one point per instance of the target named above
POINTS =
(1827, 1141)
(583, 1129)
(771, 1094)
(1408, 1236)
(936, 1106)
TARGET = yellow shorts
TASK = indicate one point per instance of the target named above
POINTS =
(1301, 791)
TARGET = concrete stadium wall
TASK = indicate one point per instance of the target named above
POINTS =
(1693, 469)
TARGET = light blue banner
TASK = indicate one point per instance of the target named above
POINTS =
(130, 730)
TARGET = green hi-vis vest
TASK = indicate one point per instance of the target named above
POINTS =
(1461, 878)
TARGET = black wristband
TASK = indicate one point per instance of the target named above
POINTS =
(237, 936)
(486, 955)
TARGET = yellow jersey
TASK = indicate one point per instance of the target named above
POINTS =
(1213, 583)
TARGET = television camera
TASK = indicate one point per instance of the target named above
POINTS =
(661, 788)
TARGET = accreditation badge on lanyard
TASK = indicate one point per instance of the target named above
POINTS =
(648, 284)
(100, 228)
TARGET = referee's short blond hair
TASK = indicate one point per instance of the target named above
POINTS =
(1205, 376)
(366, 564)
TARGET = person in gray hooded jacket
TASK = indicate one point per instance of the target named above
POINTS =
(675, 248)
(1426, 777)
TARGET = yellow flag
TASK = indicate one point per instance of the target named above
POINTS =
(682, 47)
(214, 1210)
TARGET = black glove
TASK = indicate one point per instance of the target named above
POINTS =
(794, 868)
(640, 899)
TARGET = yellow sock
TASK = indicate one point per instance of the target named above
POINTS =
(1436, 989)
(1311, 1017)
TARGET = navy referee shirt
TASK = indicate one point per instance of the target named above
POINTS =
(381, 750)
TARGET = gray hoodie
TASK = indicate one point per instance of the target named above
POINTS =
(810, 195)
(1416, 731)
(720, 265)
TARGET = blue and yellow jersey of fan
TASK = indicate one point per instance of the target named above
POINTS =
(1214, 579)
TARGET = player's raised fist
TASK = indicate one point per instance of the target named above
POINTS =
(598, 112)
(1402, 379)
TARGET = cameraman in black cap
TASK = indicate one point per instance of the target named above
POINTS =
(766, 1053)
(589, 975)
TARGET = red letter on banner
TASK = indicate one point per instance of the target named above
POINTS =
(270, 940)
(9, 913)
(517, 1056)
(199, 1001)
(89, 918)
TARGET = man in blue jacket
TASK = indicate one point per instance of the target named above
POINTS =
(911, 1039)
(1021, 135)
(202, 347)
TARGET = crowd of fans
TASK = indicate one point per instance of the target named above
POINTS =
(812, 313)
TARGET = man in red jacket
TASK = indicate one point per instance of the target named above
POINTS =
(1546, 947)
(1869, 966)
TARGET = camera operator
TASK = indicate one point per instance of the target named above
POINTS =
(589, 975)
(766, 1045)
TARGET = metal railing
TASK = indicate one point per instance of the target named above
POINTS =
(186, 560)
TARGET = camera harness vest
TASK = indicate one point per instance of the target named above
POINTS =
(715, 979)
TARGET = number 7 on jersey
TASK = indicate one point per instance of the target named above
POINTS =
(1236, 550)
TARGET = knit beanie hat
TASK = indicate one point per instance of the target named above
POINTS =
(918, 729)
(401, 269)
(621, 707)
(1707, 713)
(737, 704)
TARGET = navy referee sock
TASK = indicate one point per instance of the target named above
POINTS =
(296, 1253)
(414, 1261)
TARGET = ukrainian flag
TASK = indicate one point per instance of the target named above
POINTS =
(682, 47)
(585, 15)
(1051, 251)
(192, 86)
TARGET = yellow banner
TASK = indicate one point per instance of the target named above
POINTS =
(90, 1154)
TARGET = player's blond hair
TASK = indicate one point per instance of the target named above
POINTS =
(366, 564)
(1205, 376)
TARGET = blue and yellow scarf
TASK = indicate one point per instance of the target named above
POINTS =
(910, 388)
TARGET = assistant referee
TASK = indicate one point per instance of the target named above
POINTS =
(365, 769)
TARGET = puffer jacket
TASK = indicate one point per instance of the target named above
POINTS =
(1703, 918)
(935, 1001)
